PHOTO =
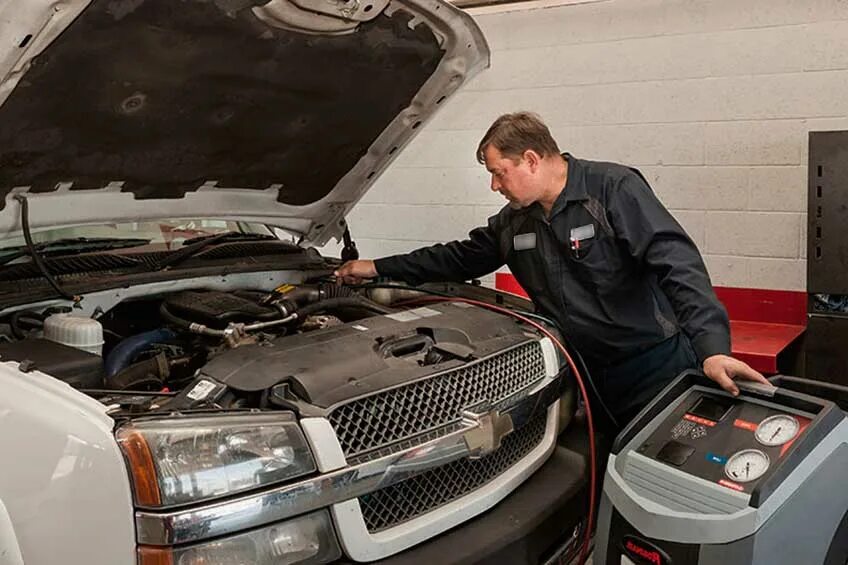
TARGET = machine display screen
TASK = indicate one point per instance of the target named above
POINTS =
(711, 408)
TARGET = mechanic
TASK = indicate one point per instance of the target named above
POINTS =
(598, 253)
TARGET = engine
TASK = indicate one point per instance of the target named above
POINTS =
(303, 348)
(155, 346)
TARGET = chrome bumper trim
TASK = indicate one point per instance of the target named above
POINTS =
(227, 517)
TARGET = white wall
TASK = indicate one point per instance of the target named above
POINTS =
(712, 100)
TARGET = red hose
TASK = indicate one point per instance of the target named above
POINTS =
(592, 457)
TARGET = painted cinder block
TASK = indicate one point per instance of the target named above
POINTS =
(638, 145)
(773, 142)
(428, 185)
(789, 274)
(410, 222)
(781, 189)
(700, 188)
(727, 270)
(757, 234)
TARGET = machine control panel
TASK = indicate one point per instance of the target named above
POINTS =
(732, 442)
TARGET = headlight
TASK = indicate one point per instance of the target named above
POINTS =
(185, 460)
(307, 540)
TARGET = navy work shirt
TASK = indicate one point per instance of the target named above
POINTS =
(610, 265)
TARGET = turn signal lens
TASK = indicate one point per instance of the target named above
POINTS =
(140, 462)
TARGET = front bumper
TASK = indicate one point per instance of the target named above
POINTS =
(527, 526)
(476, 438)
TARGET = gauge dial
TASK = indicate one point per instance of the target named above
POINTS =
(747, 465)
(777, 430)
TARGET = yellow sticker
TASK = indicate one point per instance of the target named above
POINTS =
(284, 288)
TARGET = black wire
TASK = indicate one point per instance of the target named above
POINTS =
(110, 392)
(21, 315)
(36, 258)
(585, 371)
(173, 318)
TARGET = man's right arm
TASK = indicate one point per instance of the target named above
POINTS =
(455, 261)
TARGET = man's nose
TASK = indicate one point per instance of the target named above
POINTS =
(495, 185)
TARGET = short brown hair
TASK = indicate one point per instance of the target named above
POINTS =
(513, 134)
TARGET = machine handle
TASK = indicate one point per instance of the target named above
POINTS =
(756, 388)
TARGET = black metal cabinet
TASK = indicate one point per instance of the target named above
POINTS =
(826, 339)
(827, 213)
(826, 349)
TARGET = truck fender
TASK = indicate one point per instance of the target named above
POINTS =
(10, 553)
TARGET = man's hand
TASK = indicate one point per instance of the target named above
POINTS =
(723, 369)
(353, 272)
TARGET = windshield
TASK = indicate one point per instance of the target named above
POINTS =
(167, 233)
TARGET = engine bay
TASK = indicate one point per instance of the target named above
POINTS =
(157, 344)
(298, 346)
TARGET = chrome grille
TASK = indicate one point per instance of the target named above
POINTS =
(424, 493)
(401, 413)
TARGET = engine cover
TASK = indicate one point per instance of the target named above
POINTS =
(335, 364)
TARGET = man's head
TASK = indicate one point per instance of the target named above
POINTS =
(518, 150)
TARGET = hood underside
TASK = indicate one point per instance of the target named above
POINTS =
(278, 112)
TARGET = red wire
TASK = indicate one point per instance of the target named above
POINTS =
(592, 463)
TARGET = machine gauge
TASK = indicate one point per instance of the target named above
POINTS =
(746, 465)
(777, 430)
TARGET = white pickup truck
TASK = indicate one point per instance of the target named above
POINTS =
(181, 382)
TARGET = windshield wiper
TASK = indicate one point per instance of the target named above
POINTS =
(70, 245)
(197, 244)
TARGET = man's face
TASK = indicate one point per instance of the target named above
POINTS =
(514, 180)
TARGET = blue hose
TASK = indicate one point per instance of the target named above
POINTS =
(125, 352)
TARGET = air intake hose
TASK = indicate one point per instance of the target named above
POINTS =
(123, 354)
(296, 299)
(343, 302)
(149, 374)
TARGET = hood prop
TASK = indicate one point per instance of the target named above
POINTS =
(349, 252)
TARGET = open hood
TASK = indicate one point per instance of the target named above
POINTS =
(282, 112)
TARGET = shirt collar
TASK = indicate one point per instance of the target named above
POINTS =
(575, 188)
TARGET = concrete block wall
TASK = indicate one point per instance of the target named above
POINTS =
(713, 101)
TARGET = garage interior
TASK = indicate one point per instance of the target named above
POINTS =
(190, 377)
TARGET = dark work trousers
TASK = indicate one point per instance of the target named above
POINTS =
(628, 386)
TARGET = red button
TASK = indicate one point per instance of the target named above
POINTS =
(745, 425)
(697, 420)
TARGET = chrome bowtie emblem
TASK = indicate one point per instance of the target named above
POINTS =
(490, 428)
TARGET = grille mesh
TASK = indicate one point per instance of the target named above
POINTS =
(405, 412)
(424, 493)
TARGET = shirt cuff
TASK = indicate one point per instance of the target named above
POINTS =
(707, 345)
(390, 267)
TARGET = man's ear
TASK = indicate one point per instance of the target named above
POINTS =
(533, 159)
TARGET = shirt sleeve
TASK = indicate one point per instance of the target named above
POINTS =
(455, 261)
(654, 238)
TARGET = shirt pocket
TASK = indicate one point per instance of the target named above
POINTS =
(597, 262)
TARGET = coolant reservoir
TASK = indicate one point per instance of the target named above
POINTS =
(75, 331)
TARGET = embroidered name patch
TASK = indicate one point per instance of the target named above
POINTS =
(582, 233)
(524, 241)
